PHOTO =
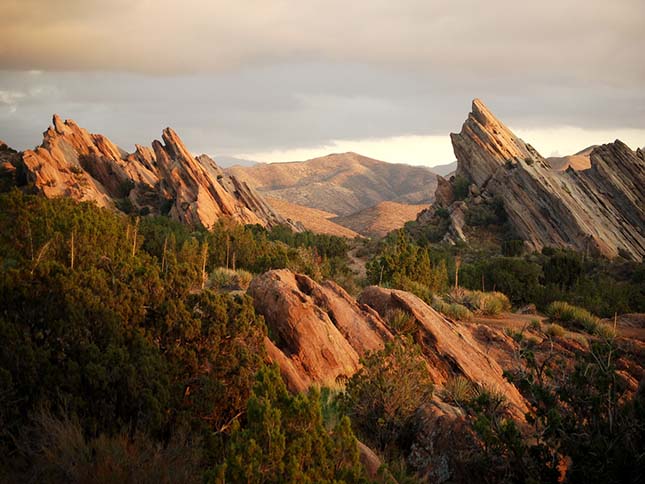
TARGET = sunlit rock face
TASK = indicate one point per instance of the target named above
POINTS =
(599, 210)
(164, 179)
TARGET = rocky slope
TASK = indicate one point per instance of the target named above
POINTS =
(340, 183)
(317, 333)
(600, 210)
(164, 179)
(379, 220)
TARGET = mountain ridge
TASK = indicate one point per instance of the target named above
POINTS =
(342, 183)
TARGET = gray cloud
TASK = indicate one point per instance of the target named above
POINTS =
(244, 76)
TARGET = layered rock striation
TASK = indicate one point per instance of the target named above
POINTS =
(599, 210)
(164, 179)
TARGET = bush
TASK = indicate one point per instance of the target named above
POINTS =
(454, 311)
(383, 396)
(573, 316)
(488, 303)
(458, 391)
(401, 322)
(554, 331)
(58, 451)
(285, 440)
(230, 280)
(461, 187)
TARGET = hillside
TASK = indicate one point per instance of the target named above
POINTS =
(380, 219)
(578, 161)
(342, 183)
(312, 219)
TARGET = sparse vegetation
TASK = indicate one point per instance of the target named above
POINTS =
(382, 397)
(573, 316)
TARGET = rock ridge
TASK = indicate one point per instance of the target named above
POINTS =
(162, 179)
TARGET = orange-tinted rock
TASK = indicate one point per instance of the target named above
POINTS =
(449, 348)
(165, 179)
(600, 210)
(320, 329)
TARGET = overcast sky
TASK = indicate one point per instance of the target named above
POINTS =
(292, 79)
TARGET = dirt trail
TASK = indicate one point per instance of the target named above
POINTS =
(518, 321)
(357, 264)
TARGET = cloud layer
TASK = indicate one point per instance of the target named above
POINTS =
(257, 76)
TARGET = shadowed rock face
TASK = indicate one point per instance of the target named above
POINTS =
(165, 179)
(598, 210)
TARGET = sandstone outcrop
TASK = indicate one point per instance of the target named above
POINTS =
(319, 328)
(164, 179)
(599, 210)
(450, 348)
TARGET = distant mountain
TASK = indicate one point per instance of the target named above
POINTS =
(380, 219)
(445, 170)
(342, 183)
(579, 161)
(164, 179)
(228, 161)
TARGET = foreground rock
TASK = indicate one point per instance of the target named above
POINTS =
(449, 348)
(166, 179)
(317, 331)
(599, 210)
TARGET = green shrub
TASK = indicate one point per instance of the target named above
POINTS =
(554, 331)
(461, 187)
(230, 280)
(451, 310)
(574, 316)
(458, 391)
(401, 322)
(535, 325)
(384, 395)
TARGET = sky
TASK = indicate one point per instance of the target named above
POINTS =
(282, 80)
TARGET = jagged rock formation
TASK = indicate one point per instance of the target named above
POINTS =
(318, 332)
(600, 210)
(8, 166)
(166, 179)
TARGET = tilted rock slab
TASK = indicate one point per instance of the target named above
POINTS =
(600, 210)
(449, 348)
(318, 329)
